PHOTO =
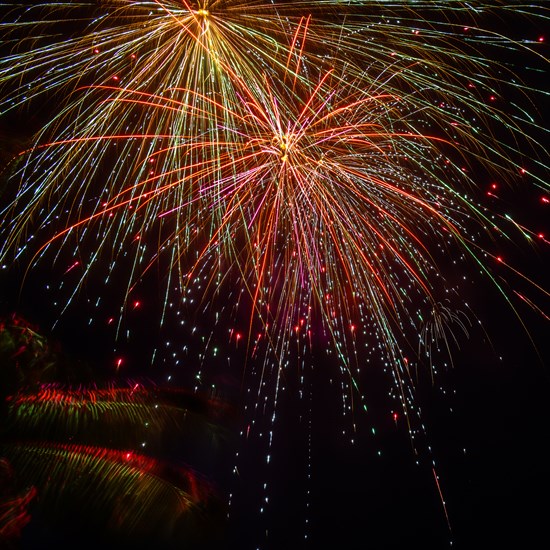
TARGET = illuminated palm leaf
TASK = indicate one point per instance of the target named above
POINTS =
(118, 491)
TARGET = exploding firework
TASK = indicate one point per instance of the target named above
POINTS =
(269, 141)
(313, 167)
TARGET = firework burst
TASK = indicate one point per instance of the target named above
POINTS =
(320, 162)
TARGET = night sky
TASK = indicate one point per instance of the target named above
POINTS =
(331, 478)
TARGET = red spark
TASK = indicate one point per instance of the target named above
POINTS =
(72, 267)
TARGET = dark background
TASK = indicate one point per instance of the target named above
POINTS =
(486, 422)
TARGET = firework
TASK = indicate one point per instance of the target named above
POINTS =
(313, 165)
(161, 94)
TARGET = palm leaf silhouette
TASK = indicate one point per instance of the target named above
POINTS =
(109, 462)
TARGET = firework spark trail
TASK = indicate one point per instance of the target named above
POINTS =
(283, 180)
(322, 173)
(157, 46)
(320, 158)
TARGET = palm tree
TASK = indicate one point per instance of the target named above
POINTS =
(104, 461)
